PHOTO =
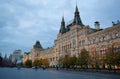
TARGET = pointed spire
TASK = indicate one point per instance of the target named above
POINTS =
(76, 10)
(62, 28)
(63, 19)
(77, 19)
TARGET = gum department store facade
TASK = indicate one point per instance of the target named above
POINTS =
(76, 36)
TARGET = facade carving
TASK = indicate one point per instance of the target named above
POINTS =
(75, 36)
(78, 36)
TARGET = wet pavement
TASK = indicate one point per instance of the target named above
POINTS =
(29, 73)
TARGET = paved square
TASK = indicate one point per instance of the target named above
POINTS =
(24, 73)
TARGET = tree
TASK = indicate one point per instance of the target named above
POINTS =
(28, 63)
(73, 60)
(61, 59)
(109, 57)
(45, 62)
(117, 58)
(37, 63)
(95, 60)
(66, 61)
(83, 58)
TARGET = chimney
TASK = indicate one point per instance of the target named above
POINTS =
(97, 25)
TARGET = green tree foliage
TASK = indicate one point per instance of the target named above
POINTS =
(28, 63)
(45, 62)
(78, 61)
(117, 58)
(83, 58)
(112, 58)
(37, 63)
(41, 62)
(95, 60)
(109, 57)
(73, 60)
(66, 61)
(60, 62)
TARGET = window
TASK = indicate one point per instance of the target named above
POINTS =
(83, 42)
(116, 35)
(80, 43)
(107, 37)
(113, 36)
(74, 45)
(101, 39)
(89, 42)
(104, 38)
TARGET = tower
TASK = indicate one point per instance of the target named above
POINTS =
(77, 19)
(37, 45)
(62, 28)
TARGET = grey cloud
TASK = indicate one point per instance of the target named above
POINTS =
(22, 22)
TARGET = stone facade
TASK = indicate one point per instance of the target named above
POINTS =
(26, 57)
(37, 53)
(75, 36)
(78, 36)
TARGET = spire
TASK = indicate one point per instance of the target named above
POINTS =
(37, 45)
(63, 19)
(76, 10)
(77, 19)
(62, 28)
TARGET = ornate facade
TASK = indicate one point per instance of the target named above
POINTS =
(37, 53)
(75, 36)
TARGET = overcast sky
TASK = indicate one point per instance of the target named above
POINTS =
(22, 22)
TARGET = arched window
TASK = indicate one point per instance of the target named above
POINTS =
(116, 35)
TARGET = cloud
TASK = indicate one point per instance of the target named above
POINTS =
(22, 22)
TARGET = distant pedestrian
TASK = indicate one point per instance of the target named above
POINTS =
(57, 68)
(44, 67)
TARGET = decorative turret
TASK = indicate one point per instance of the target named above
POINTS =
(62, 28)
(37, 45)
(77, 19)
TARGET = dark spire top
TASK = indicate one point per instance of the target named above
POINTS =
(62, 28)
(77, 19)
(76, 10)
(37, 45)
(63, 19)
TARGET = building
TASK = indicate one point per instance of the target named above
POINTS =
(75, 36)
(17, 55)
(37, 53)
(50, 55)
(26, 57)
